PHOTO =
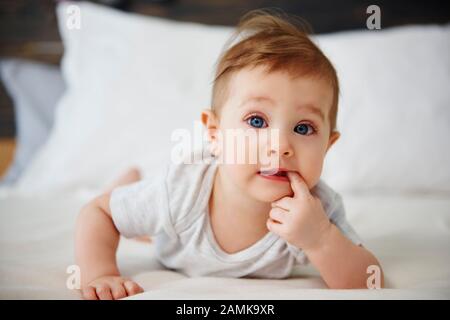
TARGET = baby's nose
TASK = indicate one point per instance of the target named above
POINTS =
(288, 153)
(285, 151)
(285, 147)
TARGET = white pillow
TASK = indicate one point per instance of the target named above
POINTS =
(394, 111)
(133, 80)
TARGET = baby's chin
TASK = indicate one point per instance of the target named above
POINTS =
(271, 194)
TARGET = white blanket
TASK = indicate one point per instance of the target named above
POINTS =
(409, 235)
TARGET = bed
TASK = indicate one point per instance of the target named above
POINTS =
(395, 180)
(409, 235)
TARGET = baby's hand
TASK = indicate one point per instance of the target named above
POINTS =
(110, 288)
(301, 219)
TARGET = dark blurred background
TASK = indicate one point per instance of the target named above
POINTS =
(28, 28)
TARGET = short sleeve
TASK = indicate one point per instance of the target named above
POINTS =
(338, 217)
(141, 208)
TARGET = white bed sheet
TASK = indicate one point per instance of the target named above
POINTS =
(409, 235)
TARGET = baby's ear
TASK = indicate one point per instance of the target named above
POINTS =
(209, 120)
(206, 114)
(334, 136)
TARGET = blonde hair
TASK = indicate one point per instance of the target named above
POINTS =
(280, 42)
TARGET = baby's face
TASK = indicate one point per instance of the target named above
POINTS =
(299, 108)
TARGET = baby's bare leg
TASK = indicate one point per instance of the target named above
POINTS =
(130, 176)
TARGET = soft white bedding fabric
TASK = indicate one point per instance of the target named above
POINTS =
(409, 235)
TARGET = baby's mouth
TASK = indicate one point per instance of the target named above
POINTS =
(274, 174)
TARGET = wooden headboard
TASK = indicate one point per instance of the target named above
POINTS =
(28, 29)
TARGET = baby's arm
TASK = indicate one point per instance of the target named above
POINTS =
(341, 263)
(96, 241)
(302, 221)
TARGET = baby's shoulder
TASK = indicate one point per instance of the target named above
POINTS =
(188, 188)
(330, 199)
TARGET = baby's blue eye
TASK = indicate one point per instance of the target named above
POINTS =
(256, 122)
(303, 129)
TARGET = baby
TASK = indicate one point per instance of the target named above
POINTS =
(240, 219)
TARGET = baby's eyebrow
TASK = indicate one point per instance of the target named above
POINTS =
(312, 109)
(257, 99)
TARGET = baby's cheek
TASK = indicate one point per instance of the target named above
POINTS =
(238, 173)
(311, 171)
